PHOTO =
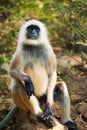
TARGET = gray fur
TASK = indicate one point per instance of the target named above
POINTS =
(35, 54)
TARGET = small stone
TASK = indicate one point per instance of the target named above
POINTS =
(82, 108)
(63, 63)
(84, 116)
(85, 99)
(75, 98)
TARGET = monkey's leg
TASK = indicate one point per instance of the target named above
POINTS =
(29, 104)
(21, 99)
(61, 94)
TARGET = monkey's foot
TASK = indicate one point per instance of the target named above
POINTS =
(71, 125)
(46, 117)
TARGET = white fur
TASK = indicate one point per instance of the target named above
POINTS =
(35, 105)
(43, 39)
(52, 82)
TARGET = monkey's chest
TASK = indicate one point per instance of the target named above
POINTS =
(39, 78)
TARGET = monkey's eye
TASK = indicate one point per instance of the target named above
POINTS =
(33, 32)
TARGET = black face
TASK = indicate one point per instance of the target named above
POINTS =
(33, 32)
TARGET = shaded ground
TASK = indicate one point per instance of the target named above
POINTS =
(76, 78)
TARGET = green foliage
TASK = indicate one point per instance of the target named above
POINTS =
(1, 60)
(82, 43)
(74, 24)
(65, 19)
(0, 85)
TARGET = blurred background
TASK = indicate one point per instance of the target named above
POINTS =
(66, 21)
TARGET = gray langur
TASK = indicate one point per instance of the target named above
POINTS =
(33, 72)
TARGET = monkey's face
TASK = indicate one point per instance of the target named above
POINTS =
(33, 32)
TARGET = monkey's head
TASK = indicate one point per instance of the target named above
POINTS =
(33, 32)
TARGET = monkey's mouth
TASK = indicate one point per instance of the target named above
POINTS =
(32, 37)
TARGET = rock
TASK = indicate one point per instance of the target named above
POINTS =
(40, 126)
(82, 108)
(75, 98)
(69, 61)
(85, 66)
(83, 111)
(85, 98)
(84, 115)
(75, 60)
(63, 62)
(28, 124)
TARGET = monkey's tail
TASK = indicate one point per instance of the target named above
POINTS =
(8, 117)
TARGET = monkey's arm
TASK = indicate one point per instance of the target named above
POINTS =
(50, 94)
(16, 72)
(47, 114)
(52, 78)
(8, 117)
(17, 68)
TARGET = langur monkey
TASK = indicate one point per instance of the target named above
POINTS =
(33, 72)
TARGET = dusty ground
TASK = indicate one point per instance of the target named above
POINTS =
(74, 74)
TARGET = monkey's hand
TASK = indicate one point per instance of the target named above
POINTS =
(46, 117)
(29, 86)
(47, 111)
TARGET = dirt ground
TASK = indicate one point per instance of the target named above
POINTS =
(75, 75)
